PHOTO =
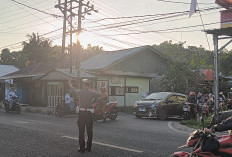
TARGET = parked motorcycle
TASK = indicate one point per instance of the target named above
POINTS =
(63, 109)
(186, 110)
(207, 145)
(15, 106)
(110, 112)
(205, 110)
(228, 104)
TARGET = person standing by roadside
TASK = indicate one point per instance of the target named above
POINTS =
(85, 116)
(193, 100)
(103, 101)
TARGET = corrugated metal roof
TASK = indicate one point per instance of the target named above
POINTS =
(83, 73)
(104, 59)
(7, 69)
(38, 69)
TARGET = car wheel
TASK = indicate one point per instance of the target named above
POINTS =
(113, 114)
(18, 109)
(7, 109)
(162, 115)
(137, 116)
(186, 116)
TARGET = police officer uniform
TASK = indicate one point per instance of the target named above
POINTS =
(85, 116)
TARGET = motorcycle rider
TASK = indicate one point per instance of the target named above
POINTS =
(9, 97)
(103, 101)
(193, 100)
(69, 101)
(222, 99)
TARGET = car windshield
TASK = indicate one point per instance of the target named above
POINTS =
(157, 96)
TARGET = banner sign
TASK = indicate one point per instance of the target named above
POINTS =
(225, 3)
(226, 19)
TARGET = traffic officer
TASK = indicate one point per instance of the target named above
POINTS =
(85, 116)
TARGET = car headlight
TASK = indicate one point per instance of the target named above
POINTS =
(153, 105)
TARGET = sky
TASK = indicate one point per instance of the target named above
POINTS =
(17, 21)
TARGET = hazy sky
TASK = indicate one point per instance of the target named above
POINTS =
(17, 21)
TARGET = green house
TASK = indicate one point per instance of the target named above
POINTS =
(127, 74)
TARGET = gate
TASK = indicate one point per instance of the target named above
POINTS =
(55, 93)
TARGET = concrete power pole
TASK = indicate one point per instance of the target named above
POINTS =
(71, 45)
(83, 9)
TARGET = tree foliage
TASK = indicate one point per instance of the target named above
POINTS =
(178, 77)
(225, 60)
(38, 49)
(183, 74)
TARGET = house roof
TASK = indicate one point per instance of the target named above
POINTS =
(38, 69)
(83, 73)
(107, 58)
(7, 69)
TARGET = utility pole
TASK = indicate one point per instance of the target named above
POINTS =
(83, 9)
(78, 40)
(64, 28)
(71, 45)
(216, 78)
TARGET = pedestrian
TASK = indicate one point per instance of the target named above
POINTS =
(69, 101)
(85, 116)
(103, 102)
(193, 103)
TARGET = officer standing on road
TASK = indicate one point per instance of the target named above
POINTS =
(85, 116)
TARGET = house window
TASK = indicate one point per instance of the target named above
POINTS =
(116, 91)
(115, 80)
(132, 89)
(101, 84)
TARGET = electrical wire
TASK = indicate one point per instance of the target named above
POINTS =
(54, 15)
(182, 2)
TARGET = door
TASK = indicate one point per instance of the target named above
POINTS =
(171, 105)
(180, 102)
(55, 93)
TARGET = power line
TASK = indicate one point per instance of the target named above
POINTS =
(144, 20)
(54, 15)
(142, 38)
(18, 18)
(203, 27)
(37, 17)
(182, 2)
(163, 30)
(28, 39)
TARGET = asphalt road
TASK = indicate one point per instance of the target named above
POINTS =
(28, 135)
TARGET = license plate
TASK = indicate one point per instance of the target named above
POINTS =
(185, 109)
(142, 109)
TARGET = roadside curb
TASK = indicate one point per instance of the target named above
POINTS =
(180, 128)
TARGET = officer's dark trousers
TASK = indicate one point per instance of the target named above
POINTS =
(85, 119)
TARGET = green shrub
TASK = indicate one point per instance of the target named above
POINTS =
(193, 123)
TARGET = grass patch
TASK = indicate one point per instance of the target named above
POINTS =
(193, 123)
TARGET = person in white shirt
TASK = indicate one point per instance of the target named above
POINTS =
(9, 96)
(70, 101)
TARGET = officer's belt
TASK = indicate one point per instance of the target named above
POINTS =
(86, 109)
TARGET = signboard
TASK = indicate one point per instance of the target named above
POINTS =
(225, 3)
(226, 19)
(209, 75)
